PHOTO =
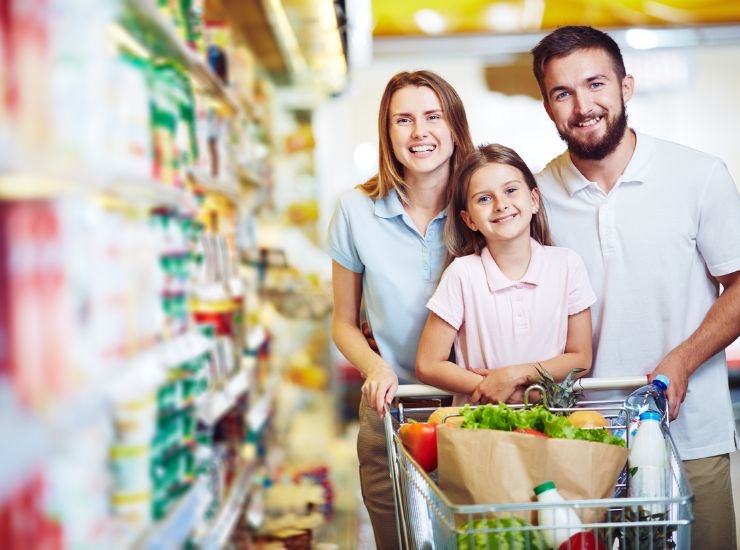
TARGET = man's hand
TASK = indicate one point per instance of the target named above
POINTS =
(676, 368)
(379, 388)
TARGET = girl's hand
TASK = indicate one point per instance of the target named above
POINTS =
(506, 384)
(379, 388)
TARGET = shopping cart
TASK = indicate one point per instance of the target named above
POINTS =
(427, 520)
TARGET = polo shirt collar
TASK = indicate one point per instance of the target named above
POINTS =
(498, 281)
(634, 172)
(638, 165)
(391, 206)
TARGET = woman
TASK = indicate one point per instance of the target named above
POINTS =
(386, 242)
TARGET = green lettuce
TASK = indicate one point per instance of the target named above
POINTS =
(504, 418)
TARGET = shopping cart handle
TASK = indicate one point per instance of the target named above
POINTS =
(616, 383)
(419, 390)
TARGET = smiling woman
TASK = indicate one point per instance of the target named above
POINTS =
(385, 240)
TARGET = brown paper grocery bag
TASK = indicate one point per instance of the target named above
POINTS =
(496, 467)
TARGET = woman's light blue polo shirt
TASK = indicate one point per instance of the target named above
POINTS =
(400, 270)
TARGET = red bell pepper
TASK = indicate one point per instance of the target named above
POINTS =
(420, 439)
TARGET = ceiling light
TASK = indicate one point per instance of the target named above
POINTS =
(641, 39)
(503, 16)
(430, 21)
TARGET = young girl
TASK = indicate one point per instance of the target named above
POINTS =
(386, 243)
(509, 301)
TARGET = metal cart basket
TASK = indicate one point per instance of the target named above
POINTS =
(427, 519)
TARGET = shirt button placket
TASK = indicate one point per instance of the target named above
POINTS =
(606, 229)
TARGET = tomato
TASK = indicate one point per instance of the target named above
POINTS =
(583, 540)
(420, 439)
(530, 431)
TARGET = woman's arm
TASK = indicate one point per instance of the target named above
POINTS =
(381, 382)
(432, 364)
(577, 354)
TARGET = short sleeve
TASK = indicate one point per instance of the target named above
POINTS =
(718, 233)
(580, 293)
(447, 301)
(340, 241)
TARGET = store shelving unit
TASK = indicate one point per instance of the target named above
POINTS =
(223, 524)
(141, 29)
(166, 44)
(174, 530)
(215, 403)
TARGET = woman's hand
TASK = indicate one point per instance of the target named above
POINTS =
(379, 388)
(506, 384)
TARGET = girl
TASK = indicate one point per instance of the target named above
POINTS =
(509, 301)
(386, 243)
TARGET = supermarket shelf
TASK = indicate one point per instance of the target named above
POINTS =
(150, 192)
(27, 437)
(20, 184)
(222, 526)
(173, 531)
(259, 412)
(131, 378)
(214, 404)
(163, 41)
(209, 183)
(183, 347)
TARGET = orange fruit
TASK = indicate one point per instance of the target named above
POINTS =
(587, 419)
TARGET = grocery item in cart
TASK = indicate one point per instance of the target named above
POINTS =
(650, 397)
(499, 532)
(648, 462)
(491, 466)
(562, 520)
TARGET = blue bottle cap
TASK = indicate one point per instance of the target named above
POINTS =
(650, 415)
(662, 379)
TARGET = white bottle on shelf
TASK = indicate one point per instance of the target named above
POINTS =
(648, 461)
(563, 518)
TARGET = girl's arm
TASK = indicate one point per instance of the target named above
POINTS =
(577, 354)
(432, 364)
(381, 382)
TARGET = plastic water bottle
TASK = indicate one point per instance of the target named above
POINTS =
(648, 461)
(563, 518)
(650, 397)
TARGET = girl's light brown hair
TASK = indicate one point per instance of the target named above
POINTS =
(459, 238)
(390, 171)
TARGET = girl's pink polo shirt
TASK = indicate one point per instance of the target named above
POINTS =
(502, 322)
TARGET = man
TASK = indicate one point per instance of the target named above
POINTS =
(658, 225)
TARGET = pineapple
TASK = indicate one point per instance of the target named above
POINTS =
(559, 395)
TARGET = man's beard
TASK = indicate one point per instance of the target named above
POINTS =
(598, 150)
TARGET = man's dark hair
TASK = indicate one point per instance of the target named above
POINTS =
(566, 40)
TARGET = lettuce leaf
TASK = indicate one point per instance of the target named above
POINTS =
(504, 418)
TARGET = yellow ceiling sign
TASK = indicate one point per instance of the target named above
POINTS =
(442, 17)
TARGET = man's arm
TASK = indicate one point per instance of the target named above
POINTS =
(720, 327)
